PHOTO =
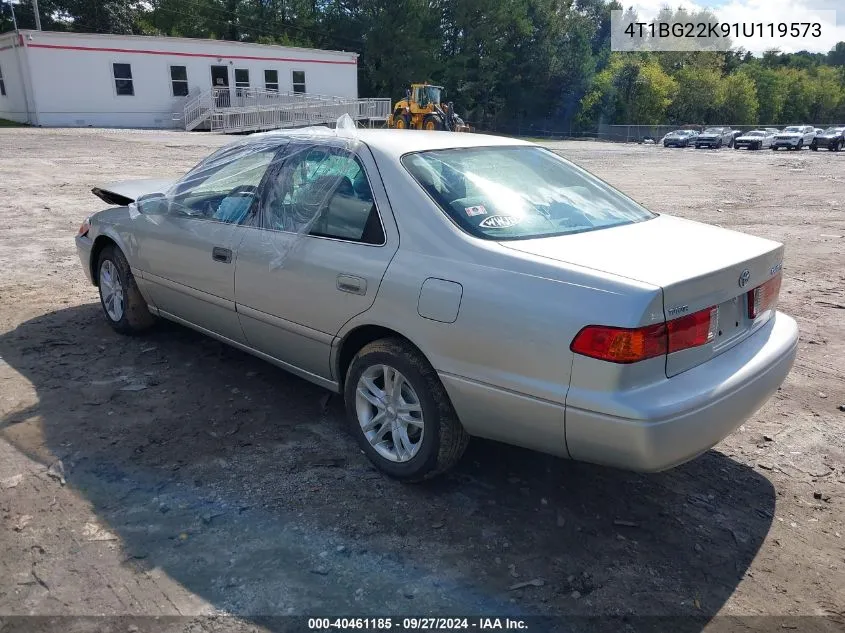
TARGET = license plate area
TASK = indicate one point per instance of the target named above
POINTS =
(733, 321)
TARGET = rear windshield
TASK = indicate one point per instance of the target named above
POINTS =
(507, 193)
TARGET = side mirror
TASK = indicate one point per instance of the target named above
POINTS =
(153, 204)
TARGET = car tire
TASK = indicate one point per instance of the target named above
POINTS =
(123, 305)
(440, 438)
(800, 145)
(719, 145)
(814, 147)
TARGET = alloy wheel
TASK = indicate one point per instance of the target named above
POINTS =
(111, 290)
(390, 413)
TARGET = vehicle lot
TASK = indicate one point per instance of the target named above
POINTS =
(199, 480)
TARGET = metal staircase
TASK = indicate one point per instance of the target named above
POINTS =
(253, 110)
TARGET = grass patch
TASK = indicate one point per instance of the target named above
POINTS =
(7, 123)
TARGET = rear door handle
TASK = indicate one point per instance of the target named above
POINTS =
(220, 254)
(351, 284)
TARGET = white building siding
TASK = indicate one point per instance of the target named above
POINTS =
(73, 82)
(13, 103)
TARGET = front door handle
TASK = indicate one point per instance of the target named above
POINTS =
(352, 284)
(220, 254)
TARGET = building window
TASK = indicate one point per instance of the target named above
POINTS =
(271, 80)
(123, 80)
(241, 80)
(299, 81)
(179, 81)
(3, 84)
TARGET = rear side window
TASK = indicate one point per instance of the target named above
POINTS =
(324, 190)
(507, 193)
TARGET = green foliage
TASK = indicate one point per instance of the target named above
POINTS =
(508, 65)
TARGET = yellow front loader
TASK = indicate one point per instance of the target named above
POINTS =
(423, 109)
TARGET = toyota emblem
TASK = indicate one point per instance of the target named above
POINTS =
(744, 277)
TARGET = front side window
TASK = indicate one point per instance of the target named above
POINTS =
(2, 84)
(241, 80)
(123, 84)
(299, 81)
(324, 191)
(507, 193)
(179, 81)
(225, 187)
(271, 80)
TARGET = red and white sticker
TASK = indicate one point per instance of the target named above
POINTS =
(477, 210)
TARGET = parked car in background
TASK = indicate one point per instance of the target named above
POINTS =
(756, 139)
(527, 301)
(715, 137)
(773, 130)
(736, 134)
(794, 137)
(819, 131)
(680, 138)
(833, 138)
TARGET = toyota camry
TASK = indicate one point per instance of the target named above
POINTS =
(455, 285)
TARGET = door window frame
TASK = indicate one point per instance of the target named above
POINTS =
(284, 154)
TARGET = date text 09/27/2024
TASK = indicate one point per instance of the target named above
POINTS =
(417, 624)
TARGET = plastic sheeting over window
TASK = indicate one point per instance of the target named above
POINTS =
(308, 182)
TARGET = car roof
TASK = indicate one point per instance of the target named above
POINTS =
(392, 142)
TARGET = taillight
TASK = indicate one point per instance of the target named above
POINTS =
(764, 297)
(621, 345)
(693, 330)
(631, 345)
(83, 229)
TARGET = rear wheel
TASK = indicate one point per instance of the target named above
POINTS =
(800, 145)
(122, 302)
(400, 413)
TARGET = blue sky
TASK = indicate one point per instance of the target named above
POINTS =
(752, 11)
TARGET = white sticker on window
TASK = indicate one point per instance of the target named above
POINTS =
(499, 222)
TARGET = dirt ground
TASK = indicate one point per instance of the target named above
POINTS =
(169, 475)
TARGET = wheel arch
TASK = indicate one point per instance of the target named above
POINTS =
(100, 243)
(359, 336)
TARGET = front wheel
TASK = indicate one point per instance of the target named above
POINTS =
(122, 302)
(814, 147)
(800, 145)
(433, 123)
(400, 413)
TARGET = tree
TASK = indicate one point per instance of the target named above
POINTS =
(737, 100)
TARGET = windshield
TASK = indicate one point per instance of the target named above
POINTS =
(792, 129)
(756, 134)
(507, 193)
(434, 94)
(834, 130)
(713, 130)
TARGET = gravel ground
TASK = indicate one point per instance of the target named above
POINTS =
(169, 475)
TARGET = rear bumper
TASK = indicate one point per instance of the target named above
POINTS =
(84, 244)
(675, 420)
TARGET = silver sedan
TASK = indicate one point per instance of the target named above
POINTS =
(455, 285)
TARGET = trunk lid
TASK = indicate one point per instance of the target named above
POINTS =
(128, 191)
(697, 266)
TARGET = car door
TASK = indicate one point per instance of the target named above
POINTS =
(187, 251)
(315, 254)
